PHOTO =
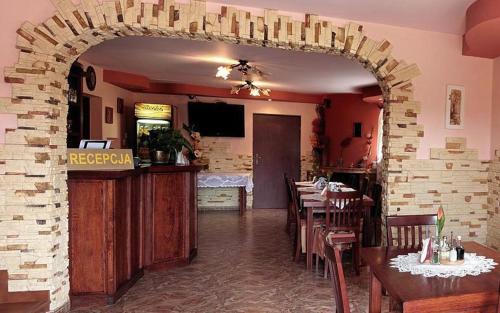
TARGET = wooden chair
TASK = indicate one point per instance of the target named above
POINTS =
(333, 261)
(300, 219)
(498, 306)
(407, 228)
(343, 224)
(376, 196)
(290, 216)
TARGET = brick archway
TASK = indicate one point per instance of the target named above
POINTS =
(33, 159)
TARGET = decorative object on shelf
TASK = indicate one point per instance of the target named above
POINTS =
(455, 107)
(249, 74)
(119, 105)
(196, 142)
(108, 116)
(318, 139)
(165, 145)
(363, 162)
(90, 78)
(345, 143)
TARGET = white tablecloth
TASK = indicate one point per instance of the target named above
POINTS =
(220, 180)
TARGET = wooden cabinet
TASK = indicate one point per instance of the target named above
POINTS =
(172, 214)
(105, 237)
(124, 221)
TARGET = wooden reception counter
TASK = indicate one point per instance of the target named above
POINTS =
(121, 222)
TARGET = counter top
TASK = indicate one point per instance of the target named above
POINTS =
(107, 174)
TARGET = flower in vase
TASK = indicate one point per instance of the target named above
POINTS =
(440, 220)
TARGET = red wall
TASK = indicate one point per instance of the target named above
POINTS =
(345, 110)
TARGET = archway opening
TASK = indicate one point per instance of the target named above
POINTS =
(48, 50)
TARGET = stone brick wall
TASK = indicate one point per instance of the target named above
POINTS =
(33, 192)
(493, 238)
(221, 159)
(453, 178)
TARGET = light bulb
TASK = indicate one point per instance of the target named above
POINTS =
(223, 72)
(254, 92)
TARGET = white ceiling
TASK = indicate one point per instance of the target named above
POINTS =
(195, 62)
(446, 16)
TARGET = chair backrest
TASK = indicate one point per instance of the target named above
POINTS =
(344, 210)
(498, 306)
(376, 196)
(334, 262)
(414, 228)
(295, 200)
(288, 189)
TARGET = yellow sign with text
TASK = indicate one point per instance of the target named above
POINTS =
(153, 111)
(98, 159)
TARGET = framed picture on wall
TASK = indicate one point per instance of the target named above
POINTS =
(108, 116)
(455, 107)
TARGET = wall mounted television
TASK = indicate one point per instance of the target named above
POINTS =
(217, 119)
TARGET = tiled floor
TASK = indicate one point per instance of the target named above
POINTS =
(244, 264)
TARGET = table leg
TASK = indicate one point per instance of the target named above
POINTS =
(375, 305)
(309, 238)
(243, 200)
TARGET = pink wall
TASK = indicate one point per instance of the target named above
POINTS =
(438, 55)
(346, 109)
(6, 121)
(244, 145)
(495, 114)
(109, 94)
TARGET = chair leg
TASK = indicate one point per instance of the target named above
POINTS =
(317, 262)
(287, 228)
(356, 250)
(325, 268)
(394, 306)
(298, 246)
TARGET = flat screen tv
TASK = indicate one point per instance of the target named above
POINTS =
(217, 119)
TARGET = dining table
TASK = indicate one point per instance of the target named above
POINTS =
(418, 293)
(312, 202)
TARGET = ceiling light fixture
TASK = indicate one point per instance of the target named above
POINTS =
(223, 72)
(255, 91)
(247, 72)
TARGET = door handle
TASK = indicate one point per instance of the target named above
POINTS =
(257, 159)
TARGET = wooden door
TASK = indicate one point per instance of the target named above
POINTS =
(276, 150)
(95, 116)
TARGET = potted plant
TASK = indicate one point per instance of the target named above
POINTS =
(165, 144)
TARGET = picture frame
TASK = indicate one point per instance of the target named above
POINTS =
(108, 116)
(455, 107)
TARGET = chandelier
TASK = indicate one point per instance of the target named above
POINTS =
(255, 91)
(248, 72)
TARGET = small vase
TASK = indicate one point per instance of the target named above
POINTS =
(181, 159)
(172, 157)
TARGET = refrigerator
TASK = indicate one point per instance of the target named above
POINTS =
(150, 116)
